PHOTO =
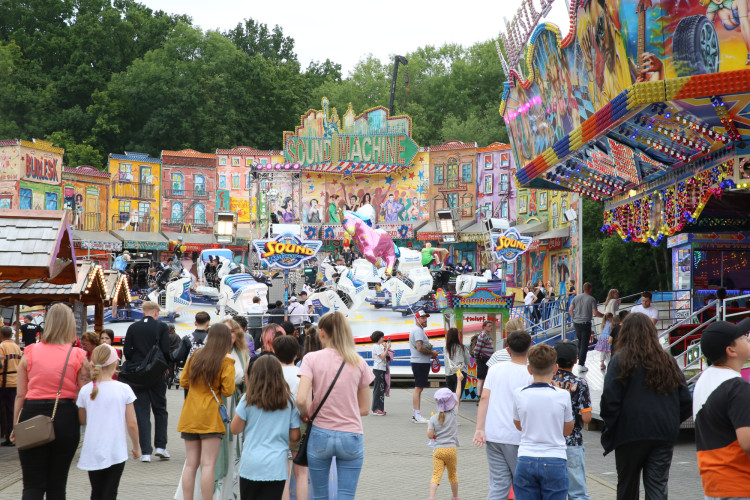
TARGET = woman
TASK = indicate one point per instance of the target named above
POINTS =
(644, 400)
(312, 342)
(108, 337)
(45, 468)
(456, 359)
(89, 341)
(209, 375)
(612, 302)
(270, 332)
(379, 369)
(337, 429)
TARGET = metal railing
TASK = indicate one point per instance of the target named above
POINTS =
(195, 194)
(126, 222)
(133, 190)
(545, 319)
(88, 221)
(187, 221)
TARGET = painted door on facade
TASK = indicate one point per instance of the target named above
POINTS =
(144, 187)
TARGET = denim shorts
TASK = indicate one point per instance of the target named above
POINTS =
(194, 436)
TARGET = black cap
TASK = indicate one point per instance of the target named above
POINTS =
(720, 335)
(567, 351)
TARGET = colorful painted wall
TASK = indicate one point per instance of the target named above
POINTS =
(86, 194)
(236, 191)
(30, 175)
(496, 189)
(135, 193)
(188, 190)
(453, 177)
(614, 44)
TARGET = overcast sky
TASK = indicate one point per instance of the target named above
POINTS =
(345, 31)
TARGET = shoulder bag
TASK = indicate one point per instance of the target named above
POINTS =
(222, 407)
(301, 458)
(151, 368)
(39, 430)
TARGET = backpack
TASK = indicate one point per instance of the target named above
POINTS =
(473, 344)
(194, 344)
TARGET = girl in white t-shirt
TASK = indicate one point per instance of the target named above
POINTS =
(105, 407)
(380, 350)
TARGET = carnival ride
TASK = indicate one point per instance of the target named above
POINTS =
(237, 291)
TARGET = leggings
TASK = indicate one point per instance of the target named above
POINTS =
(104, 482)
(442, 458)
(261, 490)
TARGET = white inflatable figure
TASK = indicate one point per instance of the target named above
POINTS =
(365, 271)
(237, 291)
(347, 297)
(410, 281)
(467, 283)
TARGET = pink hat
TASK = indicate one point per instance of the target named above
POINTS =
(445, 399)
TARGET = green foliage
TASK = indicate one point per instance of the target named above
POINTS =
(254, 38)
(76, 154)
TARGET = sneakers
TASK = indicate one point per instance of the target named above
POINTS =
(162, 453)
(420, 420)
(378, 413)
(145, 458)
(582, 368)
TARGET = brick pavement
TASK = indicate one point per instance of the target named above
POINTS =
(398, 464)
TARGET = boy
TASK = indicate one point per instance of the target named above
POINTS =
(567, 355)
(721, 408)
(495, 415)
(543, 414)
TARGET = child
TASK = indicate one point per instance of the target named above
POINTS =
(270, 422)
(603, 345)
(105, 407)
(286, 349)
(379, 367)
(443, 428)
(543, 414)
(209, 374)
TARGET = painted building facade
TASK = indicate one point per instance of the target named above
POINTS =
(236, 189)
(30, 175)
(453, 177)
(135, 195)
(86, 195)
(188, 191)
(496, 191)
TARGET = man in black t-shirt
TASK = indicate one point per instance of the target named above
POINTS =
(30, 333)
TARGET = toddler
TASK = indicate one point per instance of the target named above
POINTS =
(443, 428)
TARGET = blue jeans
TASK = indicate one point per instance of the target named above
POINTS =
(577, 473)
(541, 479)
(348, 448)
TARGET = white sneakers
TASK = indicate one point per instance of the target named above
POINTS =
(162, 453)
(420, 420)
(145, 458)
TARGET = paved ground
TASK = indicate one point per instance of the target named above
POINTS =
(398, 463)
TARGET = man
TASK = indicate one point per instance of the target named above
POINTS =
(190, 343)
(10, 356)
(580, 399)
(255, 320)
(646, 308)
(495, 415)
(297, 313)
(581, 310)
(721, 409)
(464, 267)
(276, 315)
(121, 262)
(420, 358)
(30, 333)
(483, 350)
(139, 340)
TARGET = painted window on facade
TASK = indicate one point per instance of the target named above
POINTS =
(504, 181)
(199, 185)
(25, 198)
(200, 213)
(178, 184)
(466, 172)
(50, 201)
(439, 174)
(555, 222)
(504, 209)
(487, 183)
(5, 202)
(144, 209)
(452, 176)
(487, 210)
(452, 200)
(124, 207)
(504, 160)
(176, 212)
(235, 181)
(126, 172)
(222, 182)
(247, 182)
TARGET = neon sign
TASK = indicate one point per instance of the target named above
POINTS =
(509, 245)
(286, 251)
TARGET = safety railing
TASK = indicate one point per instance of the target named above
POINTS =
(734, 316)
(546, 320)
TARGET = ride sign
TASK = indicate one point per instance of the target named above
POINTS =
(510, 244)
(286, 251)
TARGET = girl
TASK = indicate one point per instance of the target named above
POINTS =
(209, 374)
(269, 421)
(105, 407)
(456, 360)
(379, 367)
(612, 303)
(443, 428)
(603, 345)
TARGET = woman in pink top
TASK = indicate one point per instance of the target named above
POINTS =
(45, 468)
(337, 429)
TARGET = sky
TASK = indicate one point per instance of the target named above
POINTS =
(347, 31)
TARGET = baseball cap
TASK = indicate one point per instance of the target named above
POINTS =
(292, 299)
(567, 351)
(421, 314)
(720, 335)
(445, 399)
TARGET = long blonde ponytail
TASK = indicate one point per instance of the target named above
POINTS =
(98, 358)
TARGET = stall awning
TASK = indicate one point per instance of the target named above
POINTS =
(89, 287)
(194, 242)
(96, 240)
(532, 227)
(475, 232)
(431, 230)
(562, 232)
(140, 240)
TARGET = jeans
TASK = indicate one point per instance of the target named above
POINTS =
(105, 482)
(577, 473)
(348, 448)
(148, 399)
(653, 459)
(45, 468)
(502, 460)
(583, 334)
(541, 479)
(378, 391)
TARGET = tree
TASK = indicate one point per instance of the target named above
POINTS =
(76, 154)
(254, 38)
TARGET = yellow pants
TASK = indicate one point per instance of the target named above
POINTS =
(442, 458)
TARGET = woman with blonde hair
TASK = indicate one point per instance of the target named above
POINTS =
(43, 367)
(612, 302)
(209, 374)
(336, 430)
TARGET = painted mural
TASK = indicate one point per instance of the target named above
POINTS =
(614, 44)
(496, 193)
(30, 175)
(135, 193)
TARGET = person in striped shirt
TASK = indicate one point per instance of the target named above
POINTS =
(483, 350)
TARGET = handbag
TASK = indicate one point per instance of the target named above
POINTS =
(222, 407)
(39, 430)
(301, 458)
(151, 368)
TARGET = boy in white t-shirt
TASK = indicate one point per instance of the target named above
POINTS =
(543, 414)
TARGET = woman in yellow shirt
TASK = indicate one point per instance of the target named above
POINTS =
(201, 424)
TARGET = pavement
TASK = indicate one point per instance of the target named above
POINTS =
(398, 462)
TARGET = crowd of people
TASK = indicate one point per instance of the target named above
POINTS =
(247, 411)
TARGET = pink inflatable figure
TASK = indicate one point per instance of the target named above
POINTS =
(373, 243)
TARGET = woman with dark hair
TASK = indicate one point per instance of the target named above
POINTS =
(456, 359)
(380, 349)
(645, 398)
